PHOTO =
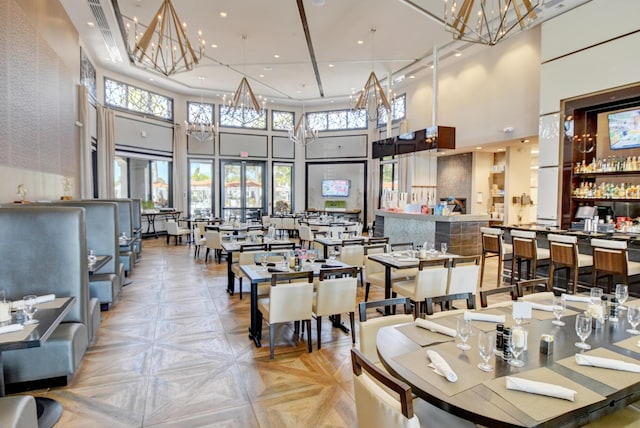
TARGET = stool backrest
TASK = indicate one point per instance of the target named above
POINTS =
(524, 244)
(563, 249)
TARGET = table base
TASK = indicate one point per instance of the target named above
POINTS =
(49, 412)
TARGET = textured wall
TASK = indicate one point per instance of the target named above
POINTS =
(454, 178)
(38, 138)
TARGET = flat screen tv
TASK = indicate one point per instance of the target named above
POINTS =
(332, 188)
(624, 129)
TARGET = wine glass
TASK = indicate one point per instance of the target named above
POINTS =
(263, 261)
(30, 306)
(312, 255)
(622, 294)
(596, 295)
(517, 345)
(92, 257)
(633, 316)
(443, 248)
(559, 307)
(486, 346)
(464, 330)
(333, 254)
(583, 330)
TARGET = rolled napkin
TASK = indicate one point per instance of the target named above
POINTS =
(274, 270)
(574, 298)
(432, 326)
(541, 307)
(478, 316)
(441, 367)
(540, 388)
(11, 328)
(606, 363)
(19, 304)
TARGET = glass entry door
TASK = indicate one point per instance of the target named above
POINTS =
(243, 190)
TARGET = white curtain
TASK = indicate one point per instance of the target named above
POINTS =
(179, 169)
(405, 173)
(106, 152)
(374, 189)
(85, 180)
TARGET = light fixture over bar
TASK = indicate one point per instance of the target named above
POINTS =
(487, 21)
(164, 46)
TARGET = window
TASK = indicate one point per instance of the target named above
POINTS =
(337, 120)
(199, 113)
(201, 187)
(244, 118)
(398, 110)
(282, 187)
(127, 97)
(281, 120)
(388, 177)
(147, 179)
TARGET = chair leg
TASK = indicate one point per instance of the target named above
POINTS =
(309, 347)
(361, 277)
(168, 237)
(352, 321)
(240, 286)
(552, 271)
(206, 256)
(366, 291)
(272, 333)
(576, 274)
(482, 258)
(319, 329)
(500, 271)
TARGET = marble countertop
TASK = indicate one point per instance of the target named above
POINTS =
(440, 218)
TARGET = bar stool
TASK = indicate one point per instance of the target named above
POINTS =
(565, 255)
(525, 248)
(493, 245)
(609, 259)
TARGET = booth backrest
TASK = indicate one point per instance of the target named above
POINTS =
(43, 250)
(125, 215)
(136, 209)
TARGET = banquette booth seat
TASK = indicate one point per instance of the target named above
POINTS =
(136, 221)
(125, 225)
(18, 412)
(44, 251)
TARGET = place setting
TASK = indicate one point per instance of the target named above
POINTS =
(426, 332)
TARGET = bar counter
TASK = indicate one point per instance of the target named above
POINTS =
(461, 232)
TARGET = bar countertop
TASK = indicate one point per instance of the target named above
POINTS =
(438, 218)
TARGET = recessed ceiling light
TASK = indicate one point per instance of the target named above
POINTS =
(431, 66)
(268, 68)
(262, 75)
(151, 79)
(479, 148)
(91, 24)
(412, 77)
(276, 56)
(534, 151)
(458, 54)
(331, 66)
(360, 42)
(501, 150)
(214, 45)
(223, 14)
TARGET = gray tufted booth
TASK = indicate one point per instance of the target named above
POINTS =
(136, 207)
(125, 223)
(18, 412)
(43, 250)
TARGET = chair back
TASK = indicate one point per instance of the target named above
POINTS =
(464, 275)
(448, 299)
(610, 256)
(375, 407)
(533, 286)
(491, 240)
(431, 279)
(356, 241)
(248, 257)
(335, 231)
(563, 250)
(253, 247)
(305, 233)
(352, 255)
(282, 246)
(512, 290)
(288, 223)
(266, 220)
(378, 240)
(214, 240)
(369, 328)
(336, 295)
(402, 246)
(172, 228)
(291, 301)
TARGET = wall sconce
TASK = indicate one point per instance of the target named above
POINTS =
(479, 198)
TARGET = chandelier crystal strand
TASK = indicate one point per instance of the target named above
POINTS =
(372, 97)
(243, 106)
(487, 21)
(201, 127)
(164, 45)
(302, 133)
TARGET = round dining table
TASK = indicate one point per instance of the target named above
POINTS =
(477, 396)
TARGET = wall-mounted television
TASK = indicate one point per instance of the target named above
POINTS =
(333, 188)
(624, 129)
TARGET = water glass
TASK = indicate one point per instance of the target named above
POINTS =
(312, 255)
(596, 295)
(583, 330)
(464, 331)
(443, 248)
(486, 347)
(622, 294)
(30, 307)
(559, 308)
(92, 257)
(517, 345)
(633, 316)
(263, 261)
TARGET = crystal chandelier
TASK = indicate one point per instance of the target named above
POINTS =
(302, 133)
(243, 106)
(164, 45)
(200, 126)
(372, 97)
(487, 21)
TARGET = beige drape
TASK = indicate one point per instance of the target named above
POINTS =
(180, 174)
(85, 179)
(106, 152)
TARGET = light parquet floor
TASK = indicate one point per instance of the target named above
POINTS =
(174, 352)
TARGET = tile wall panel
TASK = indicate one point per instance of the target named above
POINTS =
(47, 107)
(4, 84)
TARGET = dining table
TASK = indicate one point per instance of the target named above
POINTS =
(483, 398)
(100, 262)
(49, 316)
(258, 274)
(403, 260)
(328, 242)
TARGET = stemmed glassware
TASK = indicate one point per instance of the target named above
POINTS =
(263, 261)
(30, 306)
(486, 346)
(559, 308)
(622, 294)
(633, 316)
(596, 295)
(464, 331)
(312, 255)
(443, 248)
(91, 257)
(583, 330)
(517, 345)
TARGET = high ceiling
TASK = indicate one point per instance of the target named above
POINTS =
(405, 36)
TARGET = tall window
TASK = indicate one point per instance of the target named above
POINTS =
(398, 110)
(200, 187)
(147, 179)
(388, 176)
(160, 181)
(131, 98)
(282, 187)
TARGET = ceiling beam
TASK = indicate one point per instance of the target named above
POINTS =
(312, 55)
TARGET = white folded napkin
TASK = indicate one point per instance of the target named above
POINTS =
(477, 316)
(541, 388)
(19, 304)
(11, 328)
(574, 298)
(441, 367)
(606, 363)
(432, 326)
(541, 307)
